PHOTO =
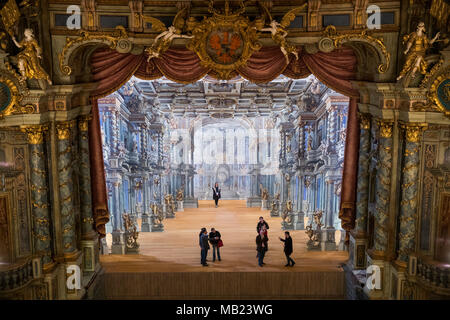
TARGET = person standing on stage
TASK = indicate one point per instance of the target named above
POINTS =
(204, 245)
(261, 223)
(261, 247)
(216, 194)
(214, 239)
(288, 248)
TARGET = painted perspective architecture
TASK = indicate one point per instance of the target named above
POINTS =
(115, 116)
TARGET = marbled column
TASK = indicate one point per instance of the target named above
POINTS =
(383, 185)
(330, 185)
(87, 220)
(39, 193)
(66, 187)
(362, 194)
(408, 205)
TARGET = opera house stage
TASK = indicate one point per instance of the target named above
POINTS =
(168, 266)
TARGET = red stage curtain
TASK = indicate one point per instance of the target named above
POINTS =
(264, 65)
(335, 69)
(98, 179)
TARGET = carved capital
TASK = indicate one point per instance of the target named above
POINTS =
(35, 133)
(83, 122)
(413, 131)
(364, 121)
(385, 128)
(63, 129)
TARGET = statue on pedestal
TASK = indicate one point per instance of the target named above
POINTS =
(169, 205)
(131, 235)
(315, 235)
(157, 218)
(287, 216)
(275, 207)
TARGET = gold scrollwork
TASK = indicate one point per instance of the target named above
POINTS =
(85, 36)
(9, 95)
(35, 133)
(340, 39)
(385, 128)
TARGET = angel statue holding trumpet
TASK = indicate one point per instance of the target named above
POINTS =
(163, 41)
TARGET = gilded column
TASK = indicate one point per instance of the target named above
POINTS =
(66, 187)
(87, 220)
(408, 205)
(362, 195)
(39, 193)
(383, 185)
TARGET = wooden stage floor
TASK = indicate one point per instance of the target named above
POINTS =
(168, 266)
(177, 250)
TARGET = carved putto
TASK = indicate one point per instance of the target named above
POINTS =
(180, 194)
(163, 41)
(131, 233)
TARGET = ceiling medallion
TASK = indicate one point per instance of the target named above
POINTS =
(225, 41)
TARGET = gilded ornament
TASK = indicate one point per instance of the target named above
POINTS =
(83, 123)
(340, 39)
(431, 74)
(63, 129)
(439, 93)
(385, 128)
(111, 39)
(28, 59)
(35, 133)
(413, 131)
(10, 16)
(416, 45)
(364, 121)
(9, 96)
(225, 41)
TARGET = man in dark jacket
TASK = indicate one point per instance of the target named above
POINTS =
(216, 194)
(288, 248)
(214, 238)
(204, 245)
(261, 223)
(261, 247)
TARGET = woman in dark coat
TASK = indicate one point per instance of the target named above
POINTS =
(216, 194)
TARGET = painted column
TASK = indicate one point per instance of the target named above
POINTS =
(383, 185)
(362, 195)
(87, 220)
(329, 203)
(408, 205)
(66, 187)
(39, 194)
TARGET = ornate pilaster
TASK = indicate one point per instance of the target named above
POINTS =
(87, 221)
(362, 195)
(39, 193)
(66, 187)
(408, 205)
(383, 185)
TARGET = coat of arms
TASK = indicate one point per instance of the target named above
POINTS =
(226, 40)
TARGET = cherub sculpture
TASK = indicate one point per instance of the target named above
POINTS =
(265, 194)
(416, 45)
(131, 233)
(28, 59)
(287, 212)
(158, 215)
(279, 33)
(163, 41)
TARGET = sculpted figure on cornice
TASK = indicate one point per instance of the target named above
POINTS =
(417, 44)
